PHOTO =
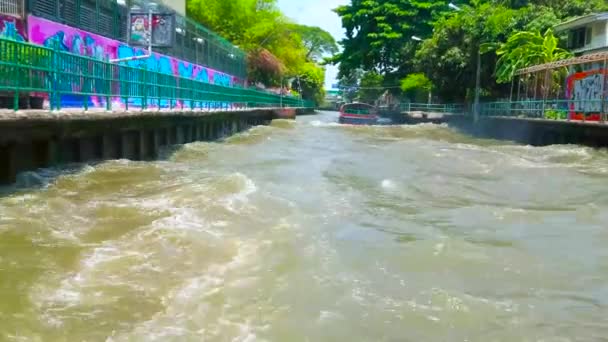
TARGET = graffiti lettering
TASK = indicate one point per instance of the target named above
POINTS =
(69, 39)
(585, 91)
(588, 94)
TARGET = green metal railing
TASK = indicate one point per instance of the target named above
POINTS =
(545, 109)
(433, 107)
(71, 80)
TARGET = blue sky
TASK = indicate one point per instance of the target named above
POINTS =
(317, 13)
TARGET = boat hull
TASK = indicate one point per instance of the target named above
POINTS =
(358, 119)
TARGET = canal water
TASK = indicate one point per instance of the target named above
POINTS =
(311, 231)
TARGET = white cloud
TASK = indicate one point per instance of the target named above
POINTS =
(317, 13)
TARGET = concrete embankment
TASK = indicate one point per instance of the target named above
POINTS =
(538, 132)
(30, 140)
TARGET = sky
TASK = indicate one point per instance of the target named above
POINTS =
(317, 13)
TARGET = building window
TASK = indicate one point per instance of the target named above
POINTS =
(579, 38)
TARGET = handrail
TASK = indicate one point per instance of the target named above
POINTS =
(445, 108)
(563, 109)
(66, 79)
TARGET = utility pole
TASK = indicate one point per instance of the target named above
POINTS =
(477, 87)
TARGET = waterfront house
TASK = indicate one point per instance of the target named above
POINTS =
(587, 34)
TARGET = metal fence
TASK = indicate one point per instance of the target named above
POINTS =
(193, 42)
(27, 69)
(12, 7)
(592, 110)
(433, 108)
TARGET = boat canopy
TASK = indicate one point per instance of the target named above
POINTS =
(358, 108)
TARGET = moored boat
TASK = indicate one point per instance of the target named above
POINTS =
(358, 113)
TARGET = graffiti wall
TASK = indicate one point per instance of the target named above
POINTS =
(585, 89)
(12, 28)
(65, 38)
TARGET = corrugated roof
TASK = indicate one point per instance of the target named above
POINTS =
(590, 58)
(581, 21)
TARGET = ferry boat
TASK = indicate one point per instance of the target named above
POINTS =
(358, 113)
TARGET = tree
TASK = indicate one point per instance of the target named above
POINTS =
(318, 42)
(378, 38)
(277, 48)
(370, 87)
(378, 32)
(525, 49)
(414, 83)
(449, 56)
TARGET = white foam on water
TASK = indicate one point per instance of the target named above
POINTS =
(191, 311)
(237, 201)
(329, 317)
(388, 184)
(318, 123)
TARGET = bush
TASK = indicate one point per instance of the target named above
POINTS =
(553, 114)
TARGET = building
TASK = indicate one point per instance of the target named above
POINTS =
(178, 6)
(333, 99)
(587, 34)
(99, 29)
(582, 91)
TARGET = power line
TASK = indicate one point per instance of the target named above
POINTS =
(357, 87)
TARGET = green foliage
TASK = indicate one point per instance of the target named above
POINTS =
(378, 38)
(416, 81)
(310, 78)
(417, 86)
(378, 33)
(277, 48)
(449, 56)
(318, 43)
(553, 114)
(525, 49)
(370, 87)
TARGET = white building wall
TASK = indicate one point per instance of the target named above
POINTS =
(178, 5)
(598, 35)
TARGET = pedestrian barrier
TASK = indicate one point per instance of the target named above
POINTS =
(61, 78)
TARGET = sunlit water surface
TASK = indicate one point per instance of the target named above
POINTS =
(312, 231)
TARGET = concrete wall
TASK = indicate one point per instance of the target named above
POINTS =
(44, 139)
(535, 132)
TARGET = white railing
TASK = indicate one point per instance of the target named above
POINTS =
(12, 7)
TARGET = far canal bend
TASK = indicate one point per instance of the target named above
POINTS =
(309, 230)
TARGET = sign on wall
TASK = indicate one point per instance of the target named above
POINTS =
(160, 30)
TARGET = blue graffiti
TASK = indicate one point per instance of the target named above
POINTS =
(202, 76)
(77, 45)
(94, 50)
(66, 84)
(221, 79)
(130, 82)
(10, 31)
(185, 70)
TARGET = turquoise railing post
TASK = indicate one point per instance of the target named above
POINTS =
(108, 76)
(54, 77)
(88, 78)
(144, 88)
(16, 76)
